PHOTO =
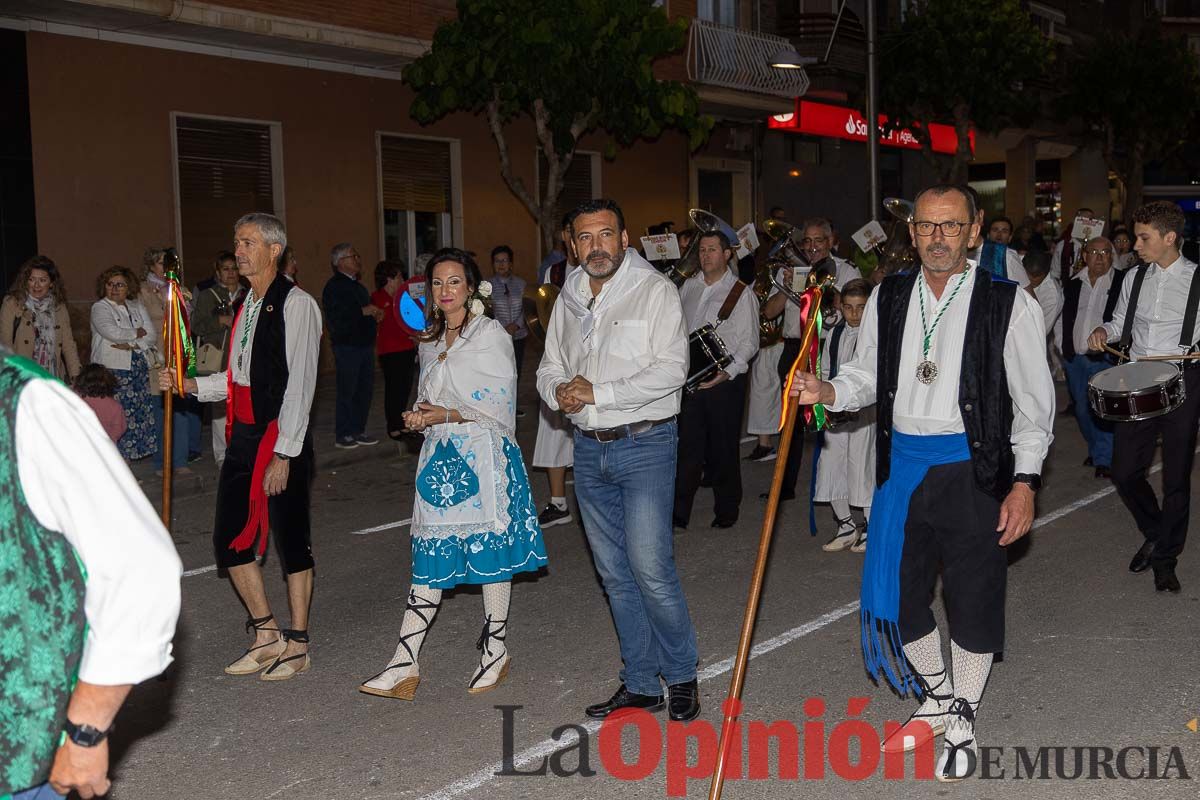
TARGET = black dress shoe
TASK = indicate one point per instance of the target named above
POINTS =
(1141, 559)
(723, 523)
(684, 701)
(1104, 472)
(625, 699)
(1164, 581)
(1087, 462)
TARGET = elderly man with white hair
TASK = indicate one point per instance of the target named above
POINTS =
(352, 320)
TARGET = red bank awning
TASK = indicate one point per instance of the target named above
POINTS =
(840, 122)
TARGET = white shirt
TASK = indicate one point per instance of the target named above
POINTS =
(302, 342)
(739, 332)
(117, 324)
(75, 482)
(1158, 319)
(1049, 296)
(845, 273)
(933, 409)
(636, 356)
(1090, 313)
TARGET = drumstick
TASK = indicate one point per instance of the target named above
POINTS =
(1188, 357)
(1115, 352)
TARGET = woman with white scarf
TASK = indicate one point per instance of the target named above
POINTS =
(473, 519)
(34, 322)
(125, 341)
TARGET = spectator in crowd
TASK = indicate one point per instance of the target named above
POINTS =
(507, 293)
(34, 322)
(288, 266)
(212, 324)
(1122, 243)
(185, 445)
(1044, 288)
(395, 346)
(1068, 251)
(90, 589)
(124, 340)
(351, 318)
(98, 388)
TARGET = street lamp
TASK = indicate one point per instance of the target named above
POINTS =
(788, 58)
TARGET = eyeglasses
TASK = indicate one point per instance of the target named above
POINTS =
(1104, 252)
(112, 285)
(814, 240)
(950, 227)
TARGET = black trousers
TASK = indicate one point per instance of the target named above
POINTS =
(952, 522)
(791, 471)
(1133, 451)
(289, 511)
(519, 353)
(710, 425)
(397, 385)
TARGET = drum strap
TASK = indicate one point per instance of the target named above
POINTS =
(1131, 308)
(1189, 314)
(735, 294)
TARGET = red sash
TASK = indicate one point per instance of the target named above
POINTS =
(239, 407)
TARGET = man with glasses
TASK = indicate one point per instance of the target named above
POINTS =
(1089, 299)
(964, 420)
(817, 242)
(352, 320)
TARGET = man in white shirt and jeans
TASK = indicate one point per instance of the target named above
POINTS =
(615, 362)
(1152, 319)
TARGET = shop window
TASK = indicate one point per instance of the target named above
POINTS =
(722, 12)
(417, 187)
(224, 168)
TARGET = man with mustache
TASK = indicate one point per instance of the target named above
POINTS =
(950, 356)
(615, 362)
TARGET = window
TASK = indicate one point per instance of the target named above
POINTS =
(581, 183)
(722, 12)
(417, 183)
(224, 169)
(1050, 22)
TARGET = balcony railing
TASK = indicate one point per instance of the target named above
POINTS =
(740, 59)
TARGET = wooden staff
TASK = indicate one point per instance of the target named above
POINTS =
(169, 334)
(760, 563)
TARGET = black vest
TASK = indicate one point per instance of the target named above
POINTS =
(268, 359)
(983, 398)
(1071, 292)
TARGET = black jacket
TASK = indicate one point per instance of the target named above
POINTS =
(343, 301)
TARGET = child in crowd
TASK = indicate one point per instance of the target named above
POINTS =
(846, 465)
(98, 387)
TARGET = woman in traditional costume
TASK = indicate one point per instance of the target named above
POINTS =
(473, 519)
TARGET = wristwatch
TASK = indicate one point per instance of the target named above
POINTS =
(1032, 479)
(85, 735)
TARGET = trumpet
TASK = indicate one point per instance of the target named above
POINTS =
(689, 263)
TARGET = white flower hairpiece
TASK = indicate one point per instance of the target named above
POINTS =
(485, 289)
(477, 307)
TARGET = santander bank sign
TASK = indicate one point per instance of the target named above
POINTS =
(840, 122)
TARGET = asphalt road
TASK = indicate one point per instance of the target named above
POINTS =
(1095, 658)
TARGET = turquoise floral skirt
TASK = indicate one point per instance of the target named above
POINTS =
(486, 556)
(133, 393)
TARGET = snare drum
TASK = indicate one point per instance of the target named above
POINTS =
(1135, 391)
(708, 355)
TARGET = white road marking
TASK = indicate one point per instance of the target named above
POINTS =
(545, 747)
(385, 527)
(200, 570)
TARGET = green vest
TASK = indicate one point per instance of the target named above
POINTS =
(42, 622)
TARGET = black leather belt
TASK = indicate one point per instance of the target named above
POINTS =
(623, 431)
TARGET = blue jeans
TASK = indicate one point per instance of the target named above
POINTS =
(1096, 432)
(626, 490)
(179, 435)
(42, 792)
(355, 382)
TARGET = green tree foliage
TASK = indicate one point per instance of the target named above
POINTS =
(963, 62)
(1137, 95)
(572, 67)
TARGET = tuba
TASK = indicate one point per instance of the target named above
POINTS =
(689, 263)
(899, 255)
(786, 252)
